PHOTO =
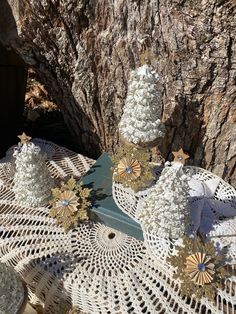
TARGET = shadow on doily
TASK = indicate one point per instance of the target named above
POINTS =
(52, 291)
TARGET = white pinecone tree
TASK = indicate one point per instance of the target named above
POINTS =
(165, 212)
(32, 181)
(141, 119)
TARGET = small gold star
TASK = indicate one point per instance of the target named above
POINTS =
(24, 139)
(180, 156)
(147, 57)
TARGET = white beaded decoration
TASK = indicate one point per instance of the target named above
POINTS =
(165, 210)
(140, 122)
(32, 182)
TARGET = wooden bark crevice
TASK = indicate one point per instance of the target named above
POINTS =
(84, 50)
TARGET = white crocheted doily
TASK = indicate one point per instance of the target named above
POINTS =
(94, 267)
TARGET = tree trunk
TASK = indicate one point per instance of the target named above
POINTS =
(84, 50)
(13, 77)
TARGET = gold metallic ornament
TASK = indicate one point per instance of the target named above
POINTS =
(199, 268)
(180, 156)
(24, 139)
(132, 167)
(70, 203)
(129, 168)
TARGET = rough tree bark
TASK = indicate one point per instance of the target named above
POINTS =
(84, 50)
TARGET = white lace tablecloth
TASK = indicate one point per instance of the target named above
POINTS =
(93, 267)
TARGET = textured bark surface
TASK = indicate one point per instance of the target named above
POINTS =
(84, 51)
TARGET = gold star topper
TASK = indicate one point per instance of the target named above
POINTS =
(24, 139)
(147, 57)
(180, 156)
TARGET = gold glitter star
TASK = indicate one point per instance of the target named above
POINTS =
(147, 57)
(24, 139)
(180, 156)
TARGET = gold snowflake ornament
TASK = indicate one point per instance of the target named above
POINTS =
(132, 167)
(199, 268)
(70, 203)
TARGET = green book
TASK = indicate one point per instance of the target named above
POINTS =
(99, 179)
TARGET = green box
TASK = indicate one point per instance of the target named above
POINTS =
(99, 178)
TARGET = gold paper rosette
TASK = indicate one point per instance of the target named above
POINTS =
(128, 168)
(68, 201)
(69, 204)
(200, 269)
(132, 167)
